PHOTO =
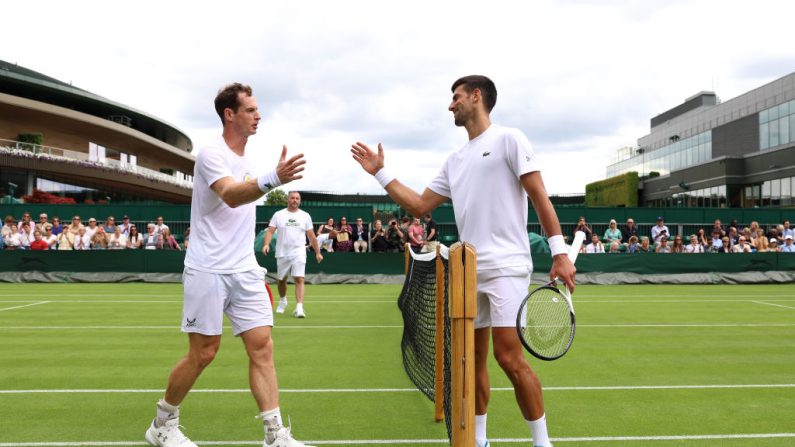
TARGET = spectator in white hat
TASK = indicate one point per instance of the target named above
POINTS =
(788, 245)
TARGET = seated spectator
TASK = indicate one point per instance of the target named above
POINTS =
(645, 245)
(359, 236)
(117, 241)
(26, 219)
(760, 242)
(8, 221)
(160, 226)
(595, 246)
(26, 236)
(695, 246)
(718, 226)
(344, 234)
(75, 226)
(135, 239)
(169, 241)
(38, 243)
(13, 240)
(326, 234)
(57, 227)
(125, 226)
(100, 239)
(49, 238)
(612, 236)
(583, 226)
(395, 237)
(186, 238)
(773, 245)
(659, 230)
(679, 246)
(724, 245)
(787, 230)
(91, 228)
(378, 238)
(702, 239)
(716, 242)
(110, 225)
(788, 247)
(41, 223)
(632, 244)
(733, 236)
(663, 247)
(742, 246)
(629, 230)
(152, 240)
(82, 241)
(431, 235)
(66, 240)
(416, 235)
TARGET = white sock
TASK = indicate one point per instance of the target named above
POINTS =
(299, 307)
(538, 428)
(165, 412)
(480, 429)
(283, 298)
(272, 420)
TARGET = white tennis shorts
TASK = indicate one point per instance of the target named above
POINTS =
(500, 293)
(241, 296)
(293, 266)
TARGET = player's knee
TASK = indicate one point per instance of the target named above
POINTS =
(204, 356)
(510, 362)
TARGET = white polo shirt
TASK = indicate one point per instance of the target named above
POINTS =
(489, 202)
(221, 238)
(292, 227)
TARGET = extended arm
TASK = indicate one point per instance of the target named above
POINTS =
(313, 242)
(404, 196)
(533, 184)
(266, 244)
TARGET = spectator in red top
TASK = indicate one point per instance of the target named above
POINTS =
(39, 243)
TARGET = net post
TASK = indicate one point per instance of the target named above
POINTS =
(463, 309)
(407, 256)
(439, 369)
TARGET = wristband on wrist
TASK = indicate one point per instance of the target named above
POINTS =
(268, 181)
(384, 177)
(557, 245)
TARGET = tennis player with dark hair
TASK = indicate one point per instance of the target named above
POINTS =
(492, 175)
(221, 274)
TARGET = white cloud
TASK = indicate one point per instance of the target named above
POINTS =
(580, 78)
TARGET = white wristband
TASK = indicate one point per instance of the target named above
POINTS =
(557, 245)
(268, 181)
(383, 177)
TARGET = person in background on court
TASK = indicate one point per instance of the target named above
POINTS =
(135, 239)
(82, 241)
(91, 228)
(57, 227)
(645, 245)
(125, 226)
(41, 223)
(431, 235)
(160, 226)
(416, 233)
(66, 240)
(294, 226)
(583, 226)
(612, 236)
(117, 240)
(51, 239)
(12, 239)
(110, 225)
(724, 247)
(659, 230)
(788, 247)
(678, 246)
(787, 230)
(694, 246)
(359, 236)
(716, 241)
(632, 245)
(221, 275)
(169, 241)
(742, 246)
(152, 240)
(378, 238)
(100, 239)
(595, 246)
(395, 237)
(492, 175)
(38, 243)
(629, 230)
(326, 234)
(663, 247)
(343, 242)
(773, 246)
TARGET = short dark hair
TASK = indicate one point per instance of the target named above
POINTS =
(487, 88)
(227, 98)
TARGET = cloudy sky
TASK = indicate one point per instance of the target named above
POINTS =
(581, 78)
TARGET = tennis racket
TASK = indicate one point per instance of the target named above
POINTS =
(545, 321)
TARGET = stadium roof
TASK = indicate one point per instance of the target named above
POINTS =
(23, 82)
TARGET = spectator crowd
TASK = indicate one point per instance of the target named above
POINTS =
(421, 235)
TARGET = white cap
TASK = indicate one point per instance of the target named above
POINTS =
(789, 236)
(773, 240)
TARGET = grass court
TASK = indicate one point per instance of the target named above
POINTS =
(651, 365)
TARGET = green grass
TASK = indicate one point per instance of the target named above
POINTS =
(126, 337)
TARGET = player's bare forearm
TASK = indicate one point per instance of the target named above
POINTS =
(235, 193)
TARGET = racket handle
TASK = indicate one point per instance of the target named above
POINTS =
(579, 237)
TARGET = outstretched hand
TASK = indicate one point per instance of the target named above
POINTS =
(369, 160)
(289, 169)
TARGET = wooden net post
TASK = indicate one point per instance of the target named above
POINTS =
(463, 309)
(438, 399)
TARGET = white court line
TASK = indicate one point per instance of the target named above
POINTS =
(424, 441)
(405, 390)
(771, 304)
(278, 327)
(26, 305)
(176, 301)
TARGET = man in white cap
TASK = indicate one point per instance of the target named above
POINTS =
(788, 246)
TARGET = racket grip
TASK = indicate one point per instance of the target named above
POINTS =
(579, 237)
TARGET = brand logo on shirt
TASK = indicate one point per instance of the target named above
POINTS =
(527, 157)
(486, 154)
(247, 176)
(292, 223)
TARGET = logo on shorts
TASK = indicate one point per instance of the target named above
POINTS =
(190, 323)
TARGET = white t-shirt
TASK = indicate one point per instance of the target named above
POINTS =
(489, 202)
(292, 228)
(222, 238)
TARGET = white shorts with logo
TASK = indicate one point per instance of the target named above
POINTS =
(293, 266)
(500, 293)
(241, 296)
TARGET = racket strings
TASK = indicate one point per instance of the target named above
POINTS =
(547, 322)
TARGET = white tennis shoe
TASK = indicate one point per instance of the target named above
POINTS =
(169, 435)
(299, 313)
(284, 439)
(282, 306)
